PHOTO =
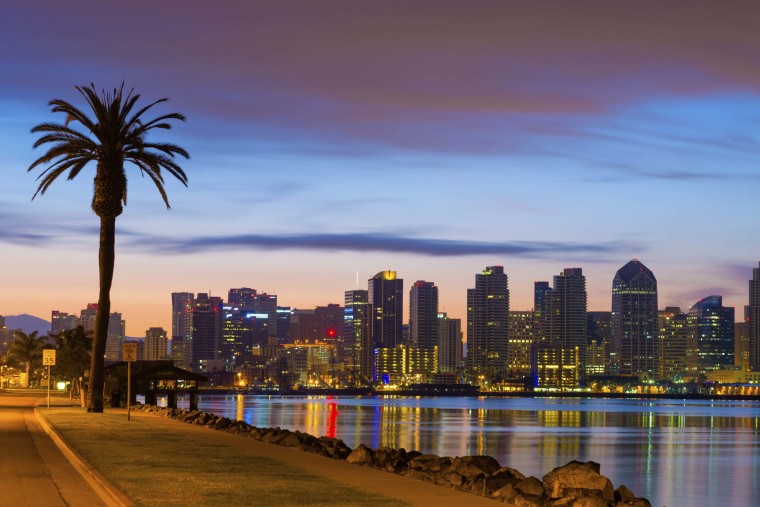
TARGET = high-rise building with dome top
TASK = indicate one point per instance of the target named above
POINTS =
(634, 321)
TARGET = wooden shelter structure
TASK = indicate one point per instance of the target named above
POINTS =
(154, 378)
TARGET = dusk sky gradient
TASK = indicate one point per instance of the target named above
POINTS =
(430, 138)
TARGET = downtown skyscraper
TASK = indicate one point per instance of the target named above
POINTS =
(753, 318)
(356, 333)
(182, 328)
(423, 315)
(566, 318)
(634, 321)
(386, 300)
(711, 335)
(488, 322)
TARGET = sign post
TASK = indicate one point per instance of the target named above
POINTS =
(129, 353)
(48, 359)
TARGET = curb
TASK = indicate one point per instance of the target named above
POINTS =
(107, 492)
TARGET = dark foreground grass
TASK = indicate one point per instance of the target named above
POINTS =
(153, 466)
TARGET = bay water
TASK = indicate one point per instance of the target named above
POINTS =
(695, 453)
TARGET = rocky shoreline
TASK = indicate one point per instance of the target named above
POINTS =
(576, 484)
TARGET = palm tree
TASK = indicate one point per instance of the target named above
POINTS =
(26, 349)
(115, 135)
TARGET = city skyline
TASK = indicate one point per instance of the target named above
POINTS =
(330, 141)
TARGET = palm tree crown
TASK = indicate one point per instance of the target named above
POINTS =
(114, 135)
(27, 349)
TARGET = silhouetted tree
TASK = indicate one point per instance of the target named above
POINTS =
(73, 355)
(114, 135)
(26, 349)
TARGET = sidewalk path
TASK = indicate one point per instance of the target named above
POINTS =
(33, 472)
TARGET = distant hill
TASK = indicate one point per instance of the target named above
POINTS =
(27, 323)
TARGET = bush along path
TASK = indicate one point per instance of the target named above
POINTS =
(576, 484)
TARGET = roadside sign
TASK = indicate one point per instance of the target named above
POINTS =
(48, 357)
(129, 352)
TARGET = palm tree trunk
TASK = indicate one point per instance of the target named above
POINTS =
(106, 257)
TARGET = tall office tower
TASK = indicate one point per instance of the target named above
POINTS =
(303, 325)
(87, 317)
(522, 336)
(115, 337)
(449, 343)
(283, 324)
(673, 344)
(712, 328)
(566, 308)
(267, 303)
(242, 298)
(62, 321)
(634, 320)
(182, 328)
(207, 330)
(329, 322)
(541, 291)
(386, 299)
(238, 336)
(2, 322)
(356, 333)
(156, 344)
(741, 342)
(753, 320)
(488, 322)
(423, 315)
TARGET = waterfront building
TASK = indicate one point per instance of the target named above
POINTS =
(386, 300)
(423, 315)
(674, 352)
(62, 321)
(741, 342)
(309, 363)
(449, 344)
(522, 335)
(394, 364)
(711, 326)
(556, 366)
(596, 358)
(600, 332)
(634, 320)
(488, 323)
(753, 320)
(206, 332)
(156, 344)
(566, 313)
(182, 328)
(356, 333)
(241, 331)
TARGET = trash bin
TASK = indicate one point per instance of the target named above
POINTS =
(115, 398)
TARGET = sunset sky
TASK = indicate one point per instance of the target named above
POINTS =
(431, 138)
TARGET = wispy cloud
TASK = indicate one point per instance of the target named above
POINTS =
(382, 242)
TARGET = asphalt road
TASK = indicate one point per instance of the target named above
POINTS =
(33, 472)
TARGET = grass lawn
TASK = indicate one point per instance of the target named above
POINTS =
(158, 467)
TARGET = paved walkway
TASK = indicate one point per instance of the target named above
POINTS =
(33, 472)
